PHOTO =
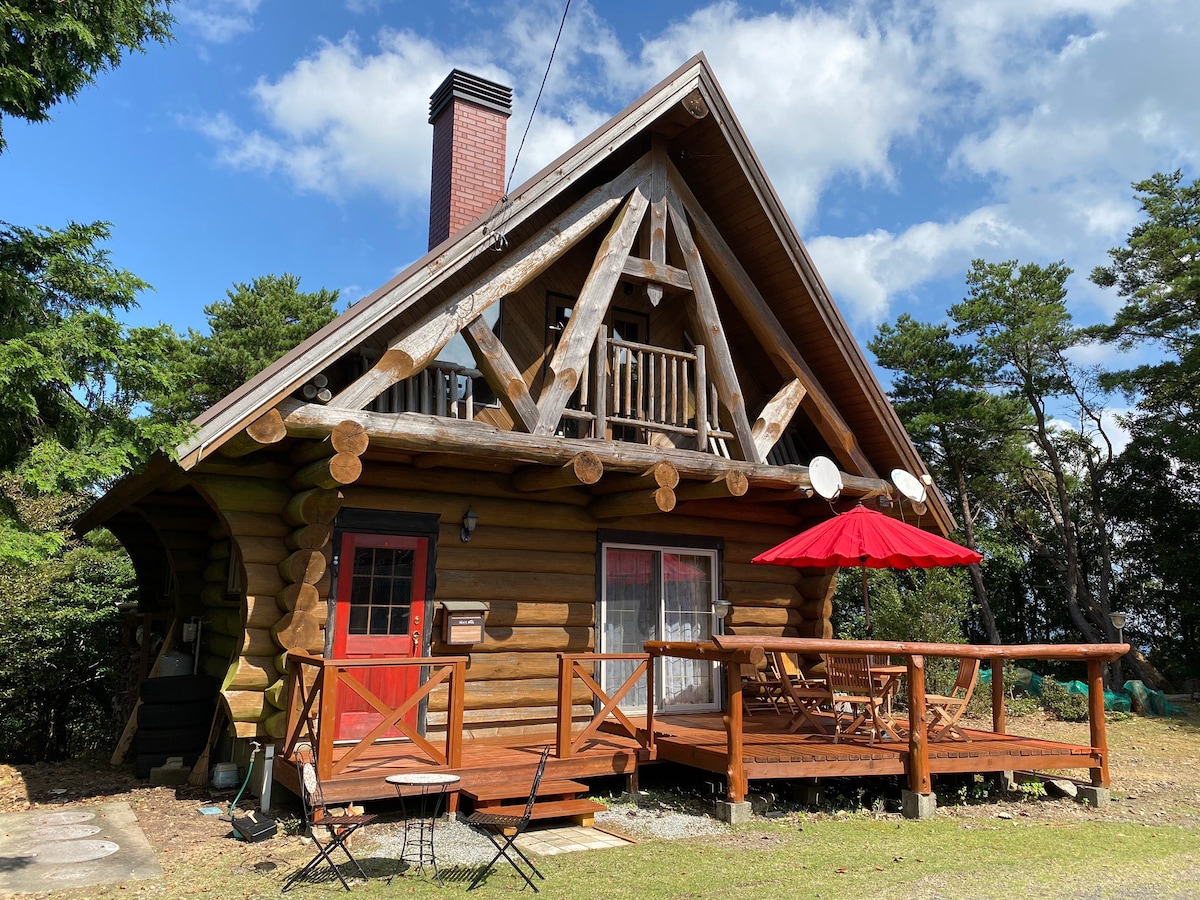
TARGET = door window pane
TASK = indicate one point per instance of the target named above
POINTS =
(380, 591)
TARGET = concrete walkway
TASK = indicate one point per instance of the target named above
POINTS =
(71, 847)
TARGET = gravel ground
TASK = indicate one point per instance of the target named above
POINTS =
(459, 844)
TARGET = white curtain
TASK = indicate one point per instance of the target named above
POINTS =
(650, 591)
(687, 612)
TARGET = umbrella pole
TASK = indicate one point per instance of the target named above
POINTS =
(866, 601)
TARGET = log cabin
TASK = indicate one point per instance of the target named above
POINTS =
(567, 429)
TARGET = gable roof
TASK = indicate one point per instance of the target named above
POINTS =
(722, 175)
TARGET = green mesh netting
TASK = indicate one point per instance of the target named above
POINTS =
(1135, 698)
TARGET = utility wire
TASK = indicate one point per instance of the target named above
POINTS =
(533, 111)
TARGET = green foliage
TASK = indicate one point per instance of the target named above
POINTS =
(255, 325)
(1157, 273)
(1067, 706)
(50, 50)
(58, 629)
(72, 379)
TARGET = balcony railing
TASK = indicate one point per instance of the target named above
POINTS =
(440, 389)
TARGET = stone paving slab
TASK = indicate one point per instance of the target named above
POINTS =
(567, 839)
(71, 847)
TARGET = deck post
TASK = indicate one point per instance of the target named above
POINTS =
(331, 675)
(566, 674)
(1099, 736)
(454, 733)
(919, 781)
(999, 725)
(735, 773)
(650, 665)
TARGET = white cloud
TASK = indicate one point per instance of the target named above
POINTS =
(342, 120)
(1023, 121)
(218, 21)
(866, 271)
(819, 94)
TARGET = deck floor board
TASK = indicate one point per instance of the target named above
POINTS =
(699, 741)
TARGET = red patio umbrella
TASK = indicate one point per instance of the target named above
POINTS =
(871, 540)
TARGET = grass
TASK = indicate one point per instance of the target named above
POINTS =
(1147, 844)
(848, 858)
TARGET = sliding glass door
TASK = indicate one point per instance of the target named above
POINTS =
(659, 593)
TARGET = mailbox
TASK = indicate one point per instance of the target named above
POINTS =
(462, 621)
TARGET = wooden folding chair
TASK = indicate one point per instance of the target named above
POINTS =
(316, 816)
(850, 682)
(515, 825)
(761, 690)
(946, 709)
(804, 695)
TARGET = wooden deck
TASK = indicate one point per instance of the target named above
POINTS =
(698, 741)
(740, 748)
(485, 761)
(770, 752)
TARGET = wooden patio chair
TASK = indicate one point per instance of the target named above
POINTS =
(851, 683)
(805, 695)
(761, 690)
(337, 829)
(515, 826)
(946, 709)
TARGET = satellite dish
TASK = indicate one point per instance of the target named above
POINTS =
(909, 485)
(825, 477)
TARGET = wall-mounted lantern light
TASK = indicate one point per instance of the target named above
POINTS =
(470, 520)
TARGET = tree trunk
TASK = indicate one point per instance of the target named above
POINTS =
(987, 619)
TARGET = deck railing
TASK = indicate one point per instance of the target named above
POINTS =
(440, 389)
(724, 647)
(314, 686)
(579, 665)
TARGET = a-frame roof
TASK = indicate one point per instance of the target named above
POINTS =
(731, 203)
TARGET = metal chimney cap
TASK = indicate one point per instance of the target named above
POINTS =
(473, 89)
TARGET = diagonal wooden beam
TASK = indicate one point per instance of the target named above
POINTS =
(773, 421)
(419, 345)
(502, 374)
(590, 309)
(769, 332)
(658, 212)
(719, 358)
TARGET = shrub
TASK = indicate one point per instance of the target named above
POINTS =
(1067, 706)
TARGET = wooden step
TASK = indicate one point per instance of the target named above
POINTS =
(485, 794)
(581, 812)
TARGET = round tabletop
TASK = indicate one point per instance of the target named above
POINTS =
(423, 779)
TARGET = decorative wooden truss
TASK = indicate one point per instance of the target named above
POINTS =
(651, 200)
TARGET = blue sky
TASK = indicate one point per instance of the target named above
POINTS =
(905, 138)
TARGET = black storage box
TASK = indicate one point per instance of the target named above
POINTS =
(255, 827)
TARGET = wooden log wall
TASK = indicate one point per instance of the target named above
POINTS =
(532, 561)
(278, 510)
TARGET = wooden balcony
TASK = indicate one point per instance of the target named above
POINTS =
(614, 743)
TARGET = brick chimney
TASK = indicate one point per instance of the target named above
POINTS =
(469, 116)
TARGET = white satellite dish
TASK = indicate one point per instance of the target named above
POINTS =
(909, 485)
(825, 477)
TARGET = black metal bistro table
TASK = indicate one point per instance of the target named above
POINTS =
(421, 809)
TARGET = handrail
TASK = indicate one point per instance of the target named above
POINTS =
(312, 707)
(727, 649)
(815, 646)
(571, 665)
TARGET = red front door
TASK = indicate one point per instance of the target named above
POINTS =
(380, 614)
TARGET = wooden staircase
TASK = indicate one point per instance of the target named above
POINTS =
(555, 800)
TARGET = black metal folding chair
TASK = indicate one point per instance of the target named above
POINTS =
(317, 818)
(515, 825)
